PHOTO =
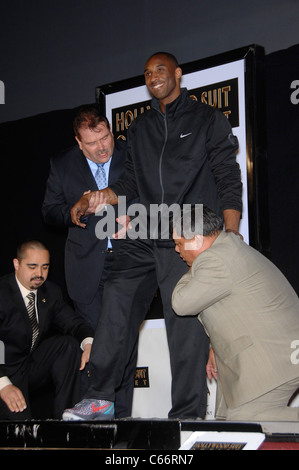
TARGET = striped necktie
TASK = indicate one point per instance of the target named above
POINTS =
(100, 176)
(32, 316)
(101, 180)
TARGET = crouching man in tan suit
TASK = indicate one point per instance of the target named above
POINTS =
(251, 314)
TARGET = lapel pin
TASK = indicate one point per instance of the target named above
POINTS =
(44, 301)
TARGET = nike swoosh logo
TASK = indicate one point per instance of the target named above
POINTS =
(95, 409)
(182, 136)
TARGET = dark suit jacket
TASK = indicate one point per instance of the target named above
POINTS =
(69, 178)
(15, 328)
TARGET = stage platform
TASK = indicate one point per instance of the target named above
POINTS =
(133, 434)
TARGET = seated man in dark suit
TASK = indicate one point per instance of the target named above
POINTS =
(41, 336)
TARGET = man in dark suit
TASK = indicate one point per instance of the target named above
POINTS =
(41, 336)
(96, 162)
(88, 259)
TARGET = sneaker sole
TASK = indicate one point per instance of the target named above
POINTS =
(99, 417)
(71, 417)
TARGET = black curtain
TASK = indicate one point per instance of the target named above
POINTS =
(26, 147)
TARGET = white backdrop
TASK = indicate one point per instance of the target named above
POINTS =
(155, 401)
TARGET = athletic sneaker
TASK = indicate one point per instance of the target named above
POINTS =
(88, 409)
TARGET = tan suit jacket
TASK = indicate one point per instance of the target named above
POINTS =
(250, 312)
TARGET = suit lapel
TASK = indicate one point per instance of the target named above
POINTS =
(42, 308)
(18, 301)
(85, 171)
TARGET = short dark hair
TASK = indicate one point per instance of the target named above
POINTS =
(200, 221)
(88, 116)
(166, 54)
(31, 244)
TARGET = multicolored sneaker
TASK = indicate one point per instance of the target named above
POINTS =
(88, 409)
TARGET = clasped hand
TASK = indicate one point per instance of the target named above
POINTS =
(90, 203)
(211, 367)
(93, 202)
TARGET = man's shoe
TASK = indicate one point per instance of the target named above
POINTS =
(88, 409)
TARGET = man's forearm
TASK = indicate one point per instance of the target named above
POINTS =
(110, 196)
(231, 220)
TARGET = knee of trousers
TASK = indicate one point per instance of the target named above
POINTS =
(67, 347)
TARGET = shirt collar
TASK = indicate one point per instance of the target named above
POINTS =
(24, 290)
(94, 166)
(178, 105)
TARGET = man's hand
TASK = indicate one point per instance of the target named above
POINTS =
(235, 232)
(85, 356)
(123, 220)
(80, 209)
(14, 398)
(211, 367)
(90, 203)
(97, 202)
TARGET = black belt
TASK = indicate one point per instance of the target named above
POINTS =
(110, 250)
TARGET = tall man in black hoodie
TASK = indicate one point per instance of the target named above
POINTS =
(179, 152)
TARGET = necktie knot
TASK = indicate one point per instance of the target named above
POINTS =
(31, 296)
